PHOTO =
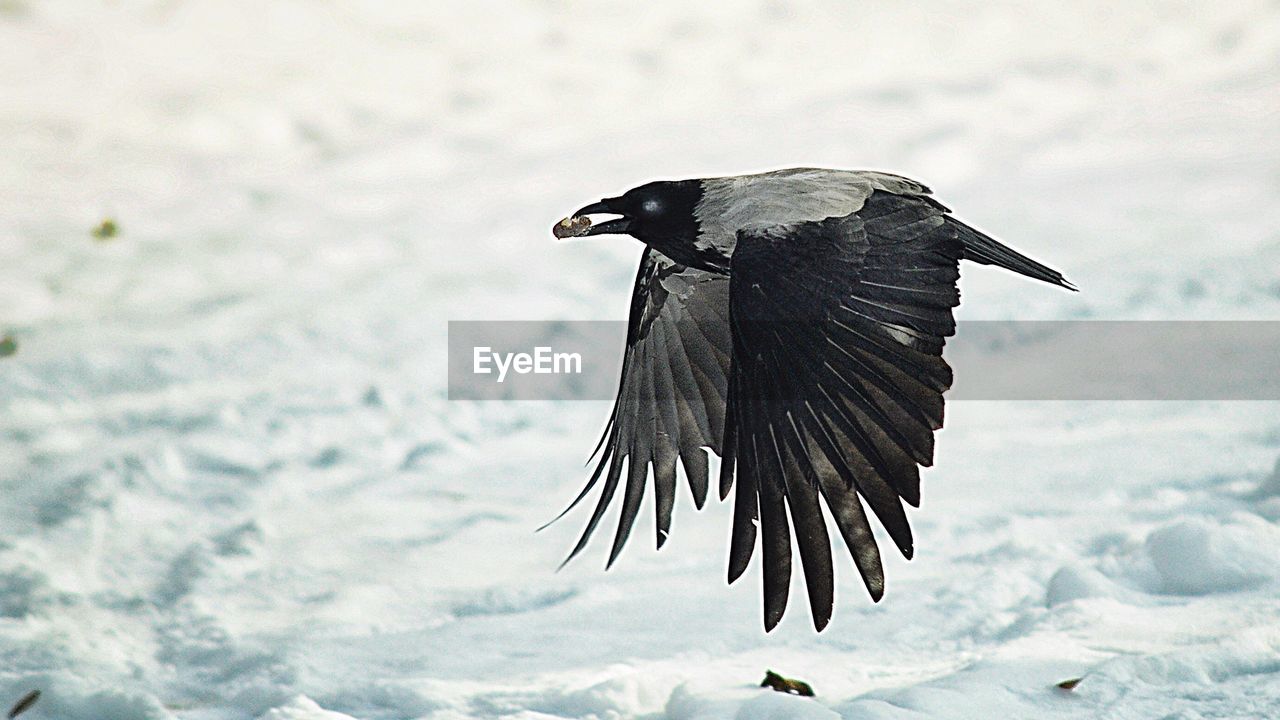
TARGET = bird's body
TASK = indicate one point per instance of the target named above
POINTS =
(792, 322)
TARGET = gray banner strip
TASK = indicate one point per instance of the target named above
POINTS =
(993, 360)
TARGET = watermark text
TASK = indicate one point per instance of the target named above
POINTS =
(542, 361)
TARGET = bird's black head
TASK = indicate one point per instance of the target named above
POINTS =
(659, 214)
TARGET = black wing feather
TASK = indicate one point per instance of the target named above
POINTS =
(670, 404)
(835, 386)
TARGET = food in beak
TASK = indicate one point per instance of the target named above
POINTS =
(576, 226)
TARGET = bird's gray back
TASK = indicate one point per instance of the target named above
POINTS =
(787, 197)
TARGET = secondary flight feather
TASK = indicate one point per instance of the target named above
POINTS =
(792, 323)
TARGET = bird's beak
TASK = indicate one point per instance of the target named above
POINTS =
(616, 226)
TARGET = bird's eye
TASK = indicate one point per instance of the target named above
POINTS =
(651, 206)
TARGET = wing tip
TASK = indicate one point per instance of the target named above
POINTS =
(876, 592)
(700, 500)
(614, 554)
(820, 622)
(568, 559)
(772, 617)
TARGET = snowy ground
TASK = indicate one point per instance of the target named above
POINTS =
(230, 483)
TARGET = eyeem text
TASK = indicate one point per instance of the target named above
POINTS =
(541, 362)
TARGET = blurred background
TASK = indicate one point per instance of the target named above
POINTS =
(232, 233)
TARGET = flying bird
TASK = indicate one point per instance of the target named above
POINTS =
(791, 322)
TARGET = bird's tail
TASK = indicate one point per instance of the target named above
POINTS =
(989, 251)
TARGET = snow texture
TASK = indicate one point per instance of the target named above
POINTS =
(231, 486)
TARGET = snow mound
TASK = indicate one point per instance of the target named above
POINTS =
(744, 703)
(1011, 686)
(302, 708)
(1234, 677)
(1198, 556)
(1074, 582)
(770, 705)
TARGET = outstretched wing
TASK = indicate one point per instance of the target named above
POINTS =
(836, 386)
(671, 397)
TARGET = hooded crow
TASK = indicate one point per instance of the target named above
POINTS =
(792, 322)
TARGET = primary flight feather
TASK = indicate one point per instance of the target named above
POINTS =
(791, 322)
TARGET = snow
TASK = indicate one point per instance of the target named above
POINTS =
(231, 484)
(302, 708)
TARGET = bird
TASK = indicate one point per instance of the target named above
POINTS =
(792, 323)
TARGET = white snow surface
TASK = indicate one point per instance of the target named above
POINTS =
(231, 486)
